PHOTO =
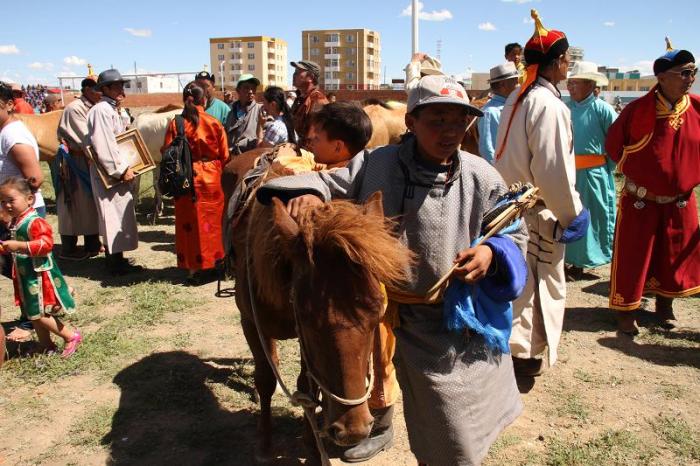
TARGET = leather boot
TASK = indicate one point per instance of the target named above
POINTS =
(664, 311)
(626, 323)
(527, 367)
(379, 439)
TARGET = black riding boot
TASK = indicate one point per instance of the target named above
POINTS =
(379, 439)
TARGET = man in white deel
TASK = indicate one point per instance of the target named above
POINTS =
(535, 145)
(115, 206)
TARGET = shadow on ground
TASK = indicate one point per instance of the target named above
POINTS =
(168, 414)
(589, 319)
(655, 353)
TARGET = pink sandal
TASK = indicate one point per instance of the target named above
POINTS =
(72, 345)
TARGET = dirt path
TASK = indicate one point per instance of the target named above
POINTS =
(165, 377)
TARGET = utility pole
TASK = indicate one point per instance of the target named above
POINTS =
(414, 30)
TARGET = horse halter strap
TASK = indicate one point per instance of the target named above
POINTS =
(309, 373)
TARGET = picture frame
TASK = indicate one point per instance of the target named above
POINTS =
(133, 148)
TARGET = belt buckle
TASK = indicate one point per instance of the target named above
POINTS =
(682, 203)
(639, 204)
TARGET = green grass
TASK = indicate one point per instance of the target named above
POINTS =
(612, 447)
(671, 391)
(678, 436)
(110, 347)
(91, 428)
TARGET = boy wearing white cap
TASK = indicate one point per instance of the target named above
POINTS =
(590, 118)
(458, 392)
(503, 79)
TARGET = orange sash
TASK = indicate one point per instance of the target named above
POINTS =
(584, 161)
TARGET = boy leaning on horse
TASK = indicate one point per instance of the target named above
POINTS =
(459, 392)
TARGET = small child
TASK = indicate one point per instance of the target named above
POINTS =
(40, 289)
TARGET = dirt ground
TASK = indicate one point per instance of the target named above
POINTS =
(164, 376)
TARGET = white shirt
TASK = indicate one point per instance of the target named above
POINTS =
(12, 134)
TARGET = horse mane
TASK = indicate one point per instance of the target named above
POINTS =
(168, 108)
(375, 101)
(336, 241)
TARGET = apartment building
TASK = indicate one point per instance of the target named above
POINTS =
(262, 56)
(349, 58)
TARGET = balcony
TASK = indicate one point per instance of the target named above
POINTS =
(332, 56)
(331, 68)
(271, 58)
(332, 44)
(332, 82)
(236, 61)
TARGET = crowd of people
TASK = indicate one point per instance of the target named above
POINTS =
(439, 193)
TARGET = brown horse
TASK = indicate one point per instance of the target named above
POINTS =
(318, 279)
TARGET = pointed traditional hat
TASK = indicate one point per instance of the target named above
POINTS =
(672, 57)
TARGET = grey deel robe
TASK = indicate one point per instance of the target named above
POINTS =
(458, 395)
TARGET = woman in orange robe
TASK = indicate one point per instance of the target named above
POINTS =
(198, 242)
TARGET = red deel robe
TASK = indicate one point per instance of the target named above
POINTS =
(198, 240)
(657, 246)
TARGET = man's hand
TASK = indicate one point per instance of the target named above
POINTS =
(297, 204)
(475, 263)
(128, 175)
(12, 246)
(418, 57)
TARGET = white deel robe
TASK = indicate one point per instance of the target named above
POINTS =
(115, 206)
(539, 149)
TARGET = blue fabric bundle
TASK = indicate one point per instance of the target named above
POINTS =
(577, 229)
(83, 176)
(485, 307)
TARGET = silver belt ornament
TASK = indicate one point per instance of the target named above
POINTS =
(641, 191)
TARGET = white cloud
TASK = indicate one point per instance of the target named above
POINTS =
(9, 49)
(37, 65)
(609, 24)
(519, 2)
(435, 15)
(139, 32)
(487, 26)
(66, 74)
(645, 67)
(528, 20)
(74, 61)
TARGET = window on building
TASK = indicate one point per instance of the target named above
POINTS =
(350, 38)
(221, 57)
(237, 45)
(235, 77)
(127, 85)
(336, 75)
(328, 75)
(332, 62)
(251, 56)
(161, 84)
(237, 66)
(314, 52)
(350, 63)
(138, 84)
(251, 45)
(350, 87)
(251, 67)
(333, 37)
(220, 46)
(349, 76)
(314, 39)
(351, 52)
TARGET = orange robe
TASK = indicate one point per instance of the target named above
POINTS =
(198, 241)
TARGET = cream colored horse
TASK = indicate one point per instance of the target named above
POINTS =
(43, 127)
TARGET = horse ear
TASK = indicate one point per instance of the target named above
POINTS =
(374, 205)
(285, 224)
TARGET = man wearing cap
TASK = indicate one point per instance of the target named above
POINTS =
(215, 107)
(52, 103)
(504, 78)
(656, 144)
(459, 392)
(21, 105)
(242, 122)
(310, 97)
(75, 205)
(535, 145)
(595, 182)
(115, 206)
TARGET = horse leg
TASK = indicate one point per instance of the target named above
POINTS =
(157, 197)
(265, 384)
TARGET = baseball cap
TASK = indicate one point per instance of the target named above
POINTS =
(307, 66)
(247, 77)
(205, 75)
(439, 89)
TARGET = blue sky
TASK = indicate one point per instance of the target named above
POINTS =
(46, 39)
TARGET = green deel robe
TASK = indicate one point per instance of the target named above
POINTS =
(591, 119)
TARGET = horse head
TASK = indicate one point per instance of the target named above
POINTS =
(342, 256)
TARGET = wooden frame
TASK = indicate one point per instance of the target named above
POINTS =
(133, 148)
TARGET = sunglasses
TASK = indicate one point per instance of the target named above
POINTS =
(687, 73)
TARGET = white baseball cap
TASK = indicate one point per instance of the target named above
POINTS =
(439, 89)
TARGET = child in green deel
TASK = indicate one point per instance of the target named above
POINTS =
(40, 289)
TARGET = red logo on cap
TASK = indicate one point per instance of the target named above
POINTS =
(451, 92)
